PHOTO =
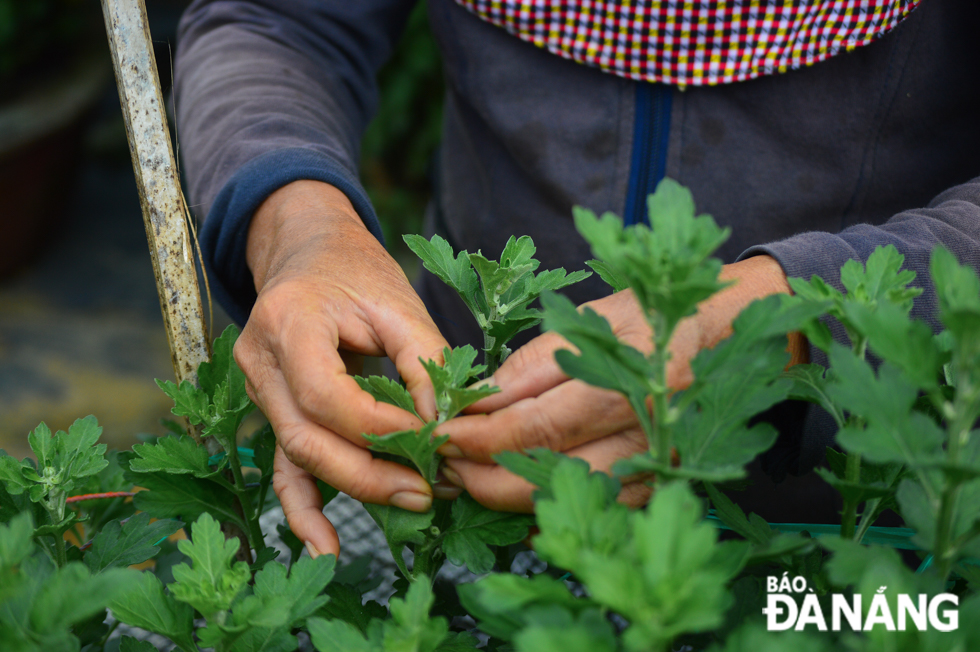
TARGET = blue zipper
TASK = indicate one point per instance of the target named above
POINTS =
(651, 131)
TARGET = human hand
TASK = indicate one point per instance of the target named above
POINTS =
(539, 406)
(328, 293)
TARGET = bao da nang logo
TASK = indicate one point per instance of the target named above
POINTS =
(791, 604)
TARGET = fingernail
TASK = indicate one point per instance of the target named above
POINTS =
(450, 450)
(310, 548)
(412, 501)
(453, 477)
(445, 492)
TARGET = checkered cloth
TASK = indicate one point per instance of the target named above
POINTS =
(695, 42)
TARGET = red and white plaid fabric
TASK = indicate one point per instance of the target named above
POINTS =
(695, 42)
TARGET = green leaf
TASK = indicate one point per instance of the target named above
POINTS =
(16, 540)
(603, 361)
(130, 543)
(456, 272)
(753, 638)
(175, 496)
(501, 602)
(74, 454)
(907, 344)
(172, 455)
(339, 636)
(12, 474)
(222, 368)
(474, 528)
(450, 381)
(754, 528)
(57, 605)
(556, 630)
(894, 433)
(146, 605)
(418, 446)
(536, 465)
(580, 514)
(347, 604)
(670, 578)
(410, 627)
(189, 401)
(400, 526)
(809, 383)
(612, 278)
(667, 265)
(386, 390)
(301, 592)
(130, 644)
(211, 584)
(880, 280)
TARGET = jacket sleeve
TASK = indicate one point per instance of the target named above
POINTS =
(952, 220)
(269, 92)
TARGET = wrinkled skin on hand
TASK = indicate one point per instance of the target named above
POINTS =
(329, 293)
(539, 406)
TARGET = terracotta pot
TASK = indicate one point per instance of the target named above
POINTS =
(40, 140)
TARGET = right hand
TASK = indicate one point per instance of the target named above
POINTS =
(328, 293)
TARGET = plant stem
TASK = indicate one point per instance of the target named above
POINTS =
(852, 474)
(426, 559)
(254, 531)
(492, 361)
(61, 557)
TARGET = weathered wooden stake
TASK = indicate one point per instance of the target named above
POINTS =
(164, 210)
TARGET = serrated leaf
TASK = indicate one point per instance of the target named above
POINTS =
(451, 379)
(386, 390)
(222, 368)
(755, 529)
(411, 627)
(146, 605)
(418, 446)
(613, 279)
(12, 475)
(130, 644)
(667, 265)
(536, 465)
(124, 544)
(174, 496)
(16, 540)
(581, 514)
(172, 455)
(557, 630)
(347, 604)
(809, 383)
(474, 528)
(602, 360)
(302, 590)
(456, 272)
(671, 578)
(212, 582)
(400, 526)
(339, 636)
(894, 433)
(189, 401)
(500, 602)
(57, 606)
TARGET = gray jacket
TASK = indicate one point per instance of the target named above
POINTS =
(813, 167)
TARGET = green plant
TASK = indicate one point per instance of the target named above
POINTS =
(655, 578)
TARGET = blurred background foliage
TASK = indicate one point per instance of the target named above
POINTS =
(398, 148)
(38, 36)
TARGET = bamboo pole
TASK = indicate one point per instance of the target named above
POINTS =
(165, 213)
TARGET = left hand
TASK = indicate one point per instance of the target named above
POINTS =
(539, 406)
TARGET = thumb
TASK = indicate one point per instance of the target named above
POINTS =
(529, 371)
